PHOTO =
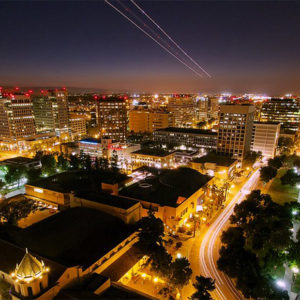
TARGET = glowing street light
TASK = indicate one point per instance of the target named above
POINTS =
(280, 283)
(179, 255)
(295, 270)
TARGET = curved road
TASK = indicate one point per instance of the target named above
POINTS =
(210, 245)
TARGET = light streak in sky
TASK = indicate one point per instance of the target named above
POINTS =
(151, 37)
(168, 36)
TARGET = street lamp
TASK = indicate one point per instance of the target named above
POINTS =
(281, 283)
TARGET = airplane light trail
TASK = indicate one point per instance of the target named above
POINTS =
(168, 36)
(146, 33)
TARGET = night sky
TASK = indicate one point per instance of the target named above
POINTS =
(246, 46)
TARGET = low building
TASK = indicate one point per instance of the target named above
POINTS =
(220, 166)
(152, 157)
(265, 138)
(189, 137)
(91, 146)
(172, 194)
(24, 162)
(73, 260)
(183, 157)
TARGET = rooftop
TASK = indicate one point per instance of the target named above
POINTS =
(188, 130)
(212, 157)
(77, 181)
(165, 186)
(77, 236)
(107, 199)
(19, 160)
(153, 152)
(90, 141)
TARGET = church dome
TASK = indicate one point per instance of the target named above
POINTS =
(29, 268)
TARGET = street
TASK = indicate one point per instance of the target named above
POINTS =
(210, 245)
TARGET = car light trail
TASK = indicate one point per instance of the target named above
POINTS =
(168, 36)
(152, 38)
(209, 243)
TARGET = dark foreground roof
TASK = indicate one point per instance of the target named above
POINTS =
(188, 130)
(77, 236)
(79, 180)
(165, 186)
(220, 160)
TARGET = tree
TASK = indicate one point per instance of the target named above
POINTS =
(285, 144)
(276, 162)
(151, 233)
(267, 173)
(203, 286)
(180, 272)
(74, 162)
(62, 162)
(114, 161)
(14, 174)
(33, 174)
(291, 177)
(48, 164)
(2, 184)
(103, 162)
(87, 162)
(16, 210)
(251, 157)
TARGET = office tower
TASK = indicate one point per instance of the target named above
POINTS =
(189, 137)
(284, 111)
(184, 110)
(112, 118)
(50, 108)
(265, 138)
(144, 120)
(207, 108)
(235, 130)
(16, 117)
(77, 125)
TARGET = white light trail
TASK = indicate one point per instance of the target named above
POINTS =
(168, 36)
(152, 38)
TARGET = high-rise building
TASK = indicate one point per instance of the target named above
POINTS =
(50, 109)
(284, 111)
(184, 110)
(112, 118)
(77, 125)
(265, 138)
(208, 108)
(16, 117)
(235, 130)
(144, 120)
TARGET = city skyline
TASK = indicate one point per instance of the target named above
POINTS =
(245, 46)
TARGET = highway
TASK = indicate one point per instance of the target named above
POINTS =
(210, 245)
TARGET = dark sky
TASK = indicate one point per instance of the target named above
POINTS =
(246, 46)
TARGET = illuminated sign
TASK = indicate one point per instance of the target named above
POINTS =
(38, 190)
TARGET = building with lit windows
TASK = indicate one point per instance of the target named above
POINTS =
(207, 108)
(235, 130)
(16, 117)
(183, 109)
(50, 108)
(189, 137)
(144, 120)
(265, 138)
(112, 118)
(152, 157)
(282, 110)
(77, 124)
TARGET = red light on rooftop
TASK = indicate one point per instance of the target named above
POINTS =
(17, 88)
(103, 97)
(27, 94)
(125, 97)
(30, 91)
(63, 88)
(95, 97)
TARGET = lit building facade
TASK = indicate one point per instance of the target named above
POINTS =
(184, 110)
(141, 120)
(50, 108)
(112, 118)
(235, 130)
(77, 125)
(208, 108)
(189, 137)
(284, 111)
(265, 138)
(16, 117)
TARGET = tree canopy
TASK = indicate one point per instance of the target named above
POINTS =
(203, 286)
